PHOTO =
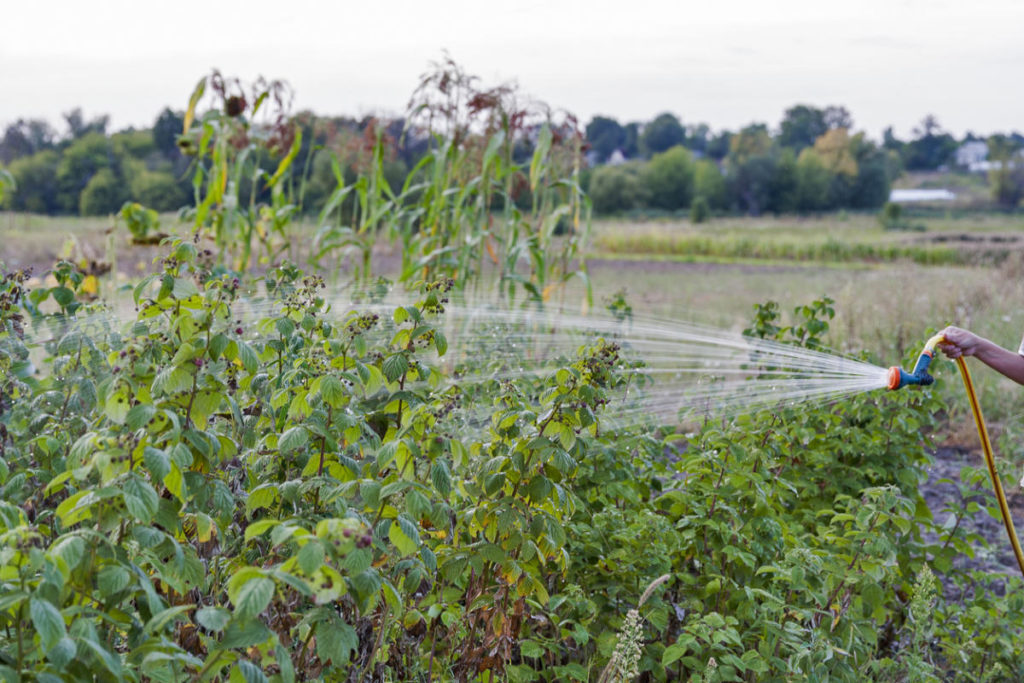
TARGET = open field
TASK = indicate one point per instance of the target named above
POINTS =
(841, 238)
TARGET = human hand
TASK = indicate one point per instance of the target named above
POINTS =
(958, 342)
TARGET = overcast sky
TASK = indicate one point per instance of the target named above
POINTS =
(724, 62)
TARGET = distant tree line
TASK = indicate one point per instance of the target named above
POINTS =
(814, 161)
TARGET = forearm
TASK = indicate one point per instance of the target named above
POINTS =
(999, 359)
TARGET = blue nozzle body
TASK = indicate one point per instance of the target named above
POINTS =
(899, 378)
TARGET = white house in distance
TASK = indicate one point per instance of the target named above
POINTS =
(972, 155)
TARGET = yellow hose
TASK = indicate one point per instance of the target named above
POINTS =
(986, 446)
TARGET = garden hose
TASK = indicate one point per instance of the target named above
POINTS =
(986, 446)
(900, 378)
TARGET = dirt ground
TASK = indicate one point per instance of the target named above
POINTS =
(943, 497)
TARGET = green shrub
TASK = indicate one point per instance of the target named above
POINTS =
(615, 189)
(142, 223)
(104, 194)
(668, 177)
(699, 211)
(158, 190)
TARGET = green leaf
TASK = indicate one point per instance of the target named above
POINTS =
(332, 391)
(263, 496)
(441, 479)
(70, 549)
(253, 597)
(532, 649)
(110, 661)
(63, 652)
(408, 530)
(175, 483)
(293, 439)
(310, 557)
(250, 360)
(48, 622)
(440, 343)
(156, 462)
(172, 380)
(394, 366)
(335, 641)
(159, 620)
(140, 499)
(218, 343)
(245, 634)
(539, 488)
(260, 527)
(674, 652)
(251, 673)
(213, 618)
(112, 579)
(140, 415)
(184, 288)
(401, 540)
(117, 406)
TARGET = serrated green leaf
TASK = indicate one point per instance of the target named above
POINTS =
(48, 622)
(310, 557)
(184, 288)
(394, 366)
(248, 356)
(63, 652)
(112, 579)
(440, 343)
(139, 416)
(117, 406)
(253, 597)
(213, 618)
(293, 439)
(140, 499)
(332, 392)
(71, 549)
(335, 642)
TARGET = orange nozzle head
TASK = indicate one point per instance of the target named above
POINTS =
(894, 378)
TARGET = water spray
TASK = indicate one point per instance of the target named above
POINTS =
(899, 378)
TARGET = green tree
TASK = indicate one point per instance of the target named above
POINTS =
(783, 191)
(614, 189)
(661, 134)
(605, 136)
(631, 148)
(1007, 175)
(873, 183)
(932, 147)
(699, 210)
(85, 157)
(36, 180)
(718, 145)
(24, 138)
(697, 137)
(751, 167)
(78, 127)
(137, 144)
(837, 117)
(709, 183)
(166, 129)
(669, 179)
(104, 194)
(158, 190)
(813, 182)
(801, 125)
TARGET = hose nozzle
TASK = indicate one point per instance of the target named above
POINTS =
(899, 378)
